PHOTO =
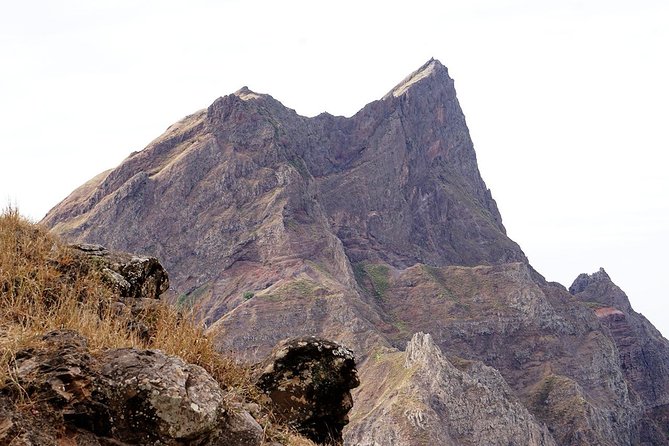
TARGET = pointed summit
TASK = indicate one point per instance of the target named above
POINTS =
(429, 69)
(245, 94)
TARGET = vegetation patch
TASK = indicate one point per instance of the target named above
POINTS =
(558, 399)
(291, 224)
(373, 278)
(359, 273)
(300, 288)
(400, 325)
(320, 267)
(379, 274)
(437, 276)
(301, 168)
(188, 300)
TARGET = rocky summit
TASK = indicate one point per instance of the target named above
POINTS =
(377, 231)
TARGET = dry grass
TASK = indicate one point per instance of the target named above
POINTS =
(45, 286)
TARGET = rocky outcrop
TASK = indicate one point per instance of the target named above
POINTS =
(137, 282)
(309, 382)
(643, 352)
(131, 276)
(122, 396)
(429, 401)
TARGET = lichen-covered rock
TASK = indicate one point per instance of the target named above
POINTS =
(309, 382)
(154, 397)
(138, 282)
(119, 397)
(239, 428)
(131, 275)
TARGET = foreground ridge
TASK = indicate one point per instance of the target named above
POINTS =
(126, 380)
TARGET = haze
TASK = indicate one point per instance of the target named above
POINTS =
(566, 102)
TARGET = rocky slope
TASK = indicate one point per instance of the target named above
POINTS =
(644, 353)
(419, 397)
(367, 230)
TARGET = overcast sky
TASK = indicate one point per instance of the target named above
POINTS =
(567, 102)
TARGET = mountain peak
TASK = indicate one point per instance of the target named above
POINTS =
(585, 280)
(245, 94)
(598, 287)
(429, 69)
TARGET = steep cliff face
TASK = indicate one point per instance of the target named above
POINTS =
(644, 353)
(367, 230)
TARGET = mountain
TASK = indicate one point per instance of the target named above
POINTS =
(367, 230)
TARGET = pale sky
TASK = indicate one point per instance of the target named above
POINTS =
(566, 101)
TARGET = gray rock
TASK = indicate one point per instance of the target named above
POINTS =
(122, 396)
(154, 397)
(131, 275)
(239, 428)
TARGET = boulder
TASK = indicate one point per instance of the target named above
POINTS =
(122, 396)
(61, 374)
(155, 397)
(309, 381)
(55, 383)
(130, 275)
(239, 428)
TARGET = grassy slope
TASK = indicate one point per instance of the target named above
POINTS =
(44, 286)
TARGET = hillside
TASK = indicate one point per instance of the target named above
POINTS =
(79, 326)
(369, 230)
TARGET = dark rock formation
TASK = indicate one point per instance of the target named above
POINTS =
(62, 375)
(309, 382)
